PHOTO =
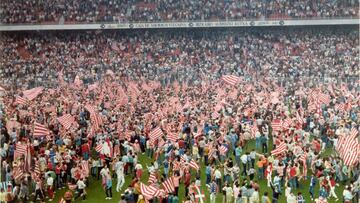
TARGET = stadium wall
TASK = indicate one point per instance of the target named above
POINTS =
(196, 24)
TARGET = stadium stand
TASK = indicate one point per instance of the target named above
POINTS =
(90, 11)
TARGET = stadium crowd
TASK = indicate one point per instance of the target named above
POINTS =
(31, 11)
(81, 105)
(36, 58)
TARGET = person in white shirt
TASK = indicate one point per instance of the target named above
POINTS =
(291, 198)
(81, 189)
(105, 171)
(218, 177)
(244, 159)
(49, 184)
(119, 168)
(255, 197)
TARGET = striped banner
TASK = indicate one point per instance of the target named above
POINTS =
(231, 79)
(156, 134)
(169, 185)
(279, 149)
(32, 93)
(40, 130)
(66, 120)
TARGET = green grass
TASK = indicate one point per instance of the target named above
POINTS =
(96, 194)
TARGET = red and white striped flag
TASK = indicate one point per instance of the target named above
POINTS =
(94, 117)
(21, 101)
(279, 149)
(299, 118)
(340, 107)
(215, 115)
(99, 148)
(303, 157)
(340, 143)
(21, 149)
(32, 93)
(212, 151)
(27, 162)
(223, 150)
(194, 165)
(348, 145)
(152, 178)
(276, 125)
(66, 120)
(40, 130)
(286, 123)
(353, 133)
(18, 174)
(231, 79)
(161, 142)
(156, 134)
(352, 155)
(37, 168)
(172, 137)
(323, 98)
(148, 192)
(169, 185)
(85, 168)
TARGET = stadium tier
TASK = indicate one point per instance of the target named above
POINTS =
(100, 103)
(90, 11)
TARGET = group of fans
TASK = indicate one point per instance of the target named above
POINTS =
(30, 59)
(31, 11)
(76, 105)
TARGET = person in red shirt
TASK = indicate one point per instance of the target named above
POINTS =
(332, 185)
(292, 177)
(85, 151)
(181, 143)
(187, 180)
(58, 176)
(50, 165)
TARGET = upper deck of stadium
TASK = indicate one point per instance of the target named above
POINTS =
(134, 11)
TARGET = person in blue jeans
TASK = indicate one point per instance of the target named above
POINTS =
(238, 151)
(108, 187)
(312, 186)
(208, 173)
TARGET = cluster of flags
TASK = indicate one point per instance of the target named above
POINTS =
(348, 146)
(153, 190)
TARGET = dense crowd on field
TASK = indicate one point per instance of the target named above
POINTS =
(31, 11)
(119, 88)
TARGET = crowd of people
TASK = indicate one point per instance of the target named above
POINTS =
(77, 107)
(30, 59)
(27, 11)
